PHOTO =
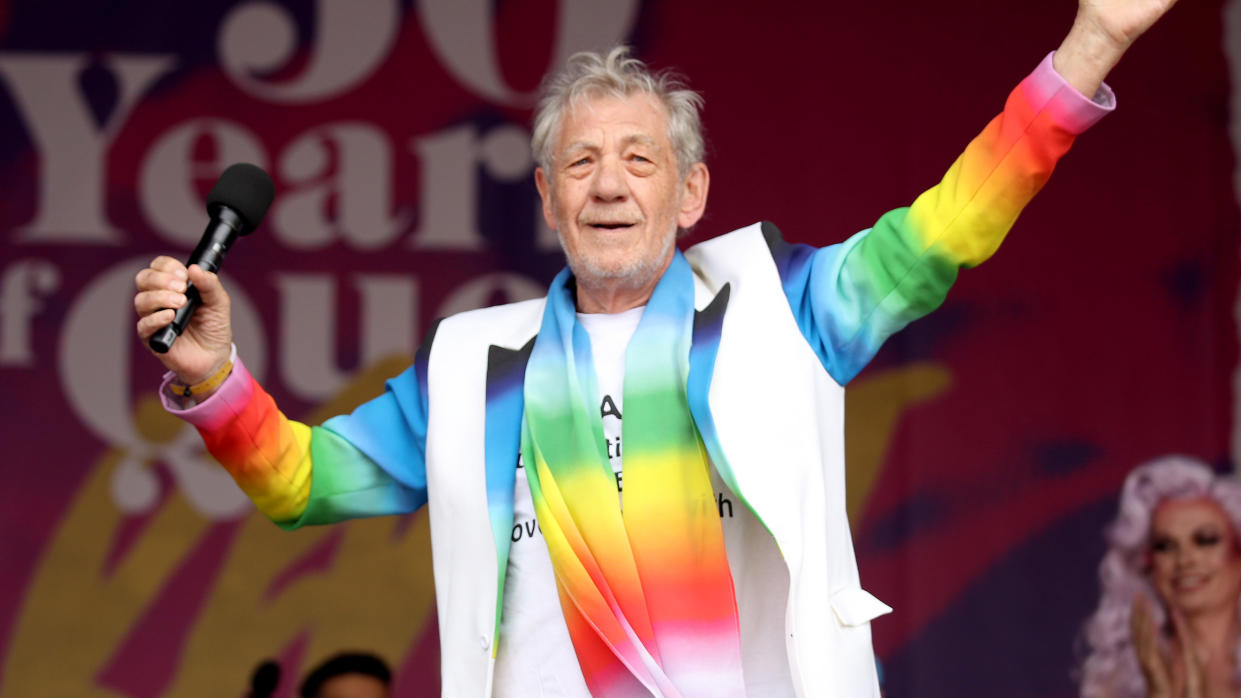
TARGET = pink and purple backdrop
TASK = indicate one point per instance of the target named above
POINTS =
(986, 443)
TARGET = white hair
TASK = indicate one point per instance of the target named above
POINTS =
(588, 74)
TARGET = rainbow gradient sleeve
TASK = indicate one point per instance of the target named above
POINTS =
(849, 298)
(367, 463)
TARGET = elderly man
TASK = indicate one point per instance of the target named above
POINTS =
(727, 362)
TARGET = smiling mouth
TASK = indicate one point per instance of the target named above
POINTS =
(1189, 582)
(610, 226)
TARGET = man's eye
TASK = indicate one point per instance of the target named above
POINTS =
(639, 158)
(580, 161)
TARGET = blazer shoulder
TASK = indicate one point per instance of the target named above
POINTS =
(510, 325)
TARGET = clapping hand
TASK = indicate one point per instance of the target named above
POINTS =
(1166, 677)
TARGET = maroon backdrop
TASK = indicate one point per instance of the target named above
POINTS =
(986, 443)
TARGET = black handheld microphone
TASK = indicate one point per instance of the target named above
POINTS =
(236, 204)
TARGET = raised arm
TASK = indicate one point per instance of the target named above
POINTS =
(367, 463)
(849, 298)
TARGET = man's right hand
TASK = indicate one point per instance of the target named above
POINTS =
(206, 345)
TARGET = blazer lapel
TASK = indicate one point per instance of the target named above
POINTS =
(506, 373)
(708, 326)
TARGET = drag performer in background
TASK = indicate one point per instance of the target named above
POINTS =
(1167, 623)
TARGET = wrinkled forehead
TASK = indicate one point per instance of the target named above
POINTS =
(637, 115)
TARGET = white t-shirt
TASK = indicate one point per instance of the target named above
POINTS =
(535, 658)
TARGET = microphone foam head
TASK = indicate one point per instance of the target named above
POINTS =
(246, 189)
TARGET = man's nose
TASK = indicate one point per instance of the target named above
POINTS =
(609, 184)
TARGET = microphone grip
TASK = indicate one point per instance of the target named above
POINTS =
(163, 338)
(223, 229)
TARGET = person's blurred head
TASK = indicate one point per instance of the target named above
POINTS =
(348, 675)
(1175, 537)
(1194, 562)
(1175, 542)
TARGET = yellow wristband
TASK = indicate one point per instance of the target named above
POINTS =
(205, 386)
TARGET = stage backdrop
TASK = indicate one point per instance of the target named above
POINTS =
(985, 445)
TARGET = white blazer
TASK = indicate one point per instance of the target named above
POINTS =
(780, 421)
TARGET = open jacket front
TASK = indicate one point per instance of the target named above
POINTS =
(756, 389)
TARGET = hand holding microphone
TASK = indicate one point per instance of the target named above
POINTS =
(175, 301)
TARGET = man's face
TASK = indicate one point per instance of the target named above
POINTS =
(613, 193)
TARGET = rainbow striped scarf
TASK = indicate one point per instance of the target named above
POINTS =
(645, 588)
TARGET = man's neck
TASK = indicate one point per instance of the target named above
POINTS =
(611, 300)
(616, 295)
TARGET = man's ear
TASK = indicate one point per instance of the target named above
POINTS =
(693, 195)
(544, 186)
